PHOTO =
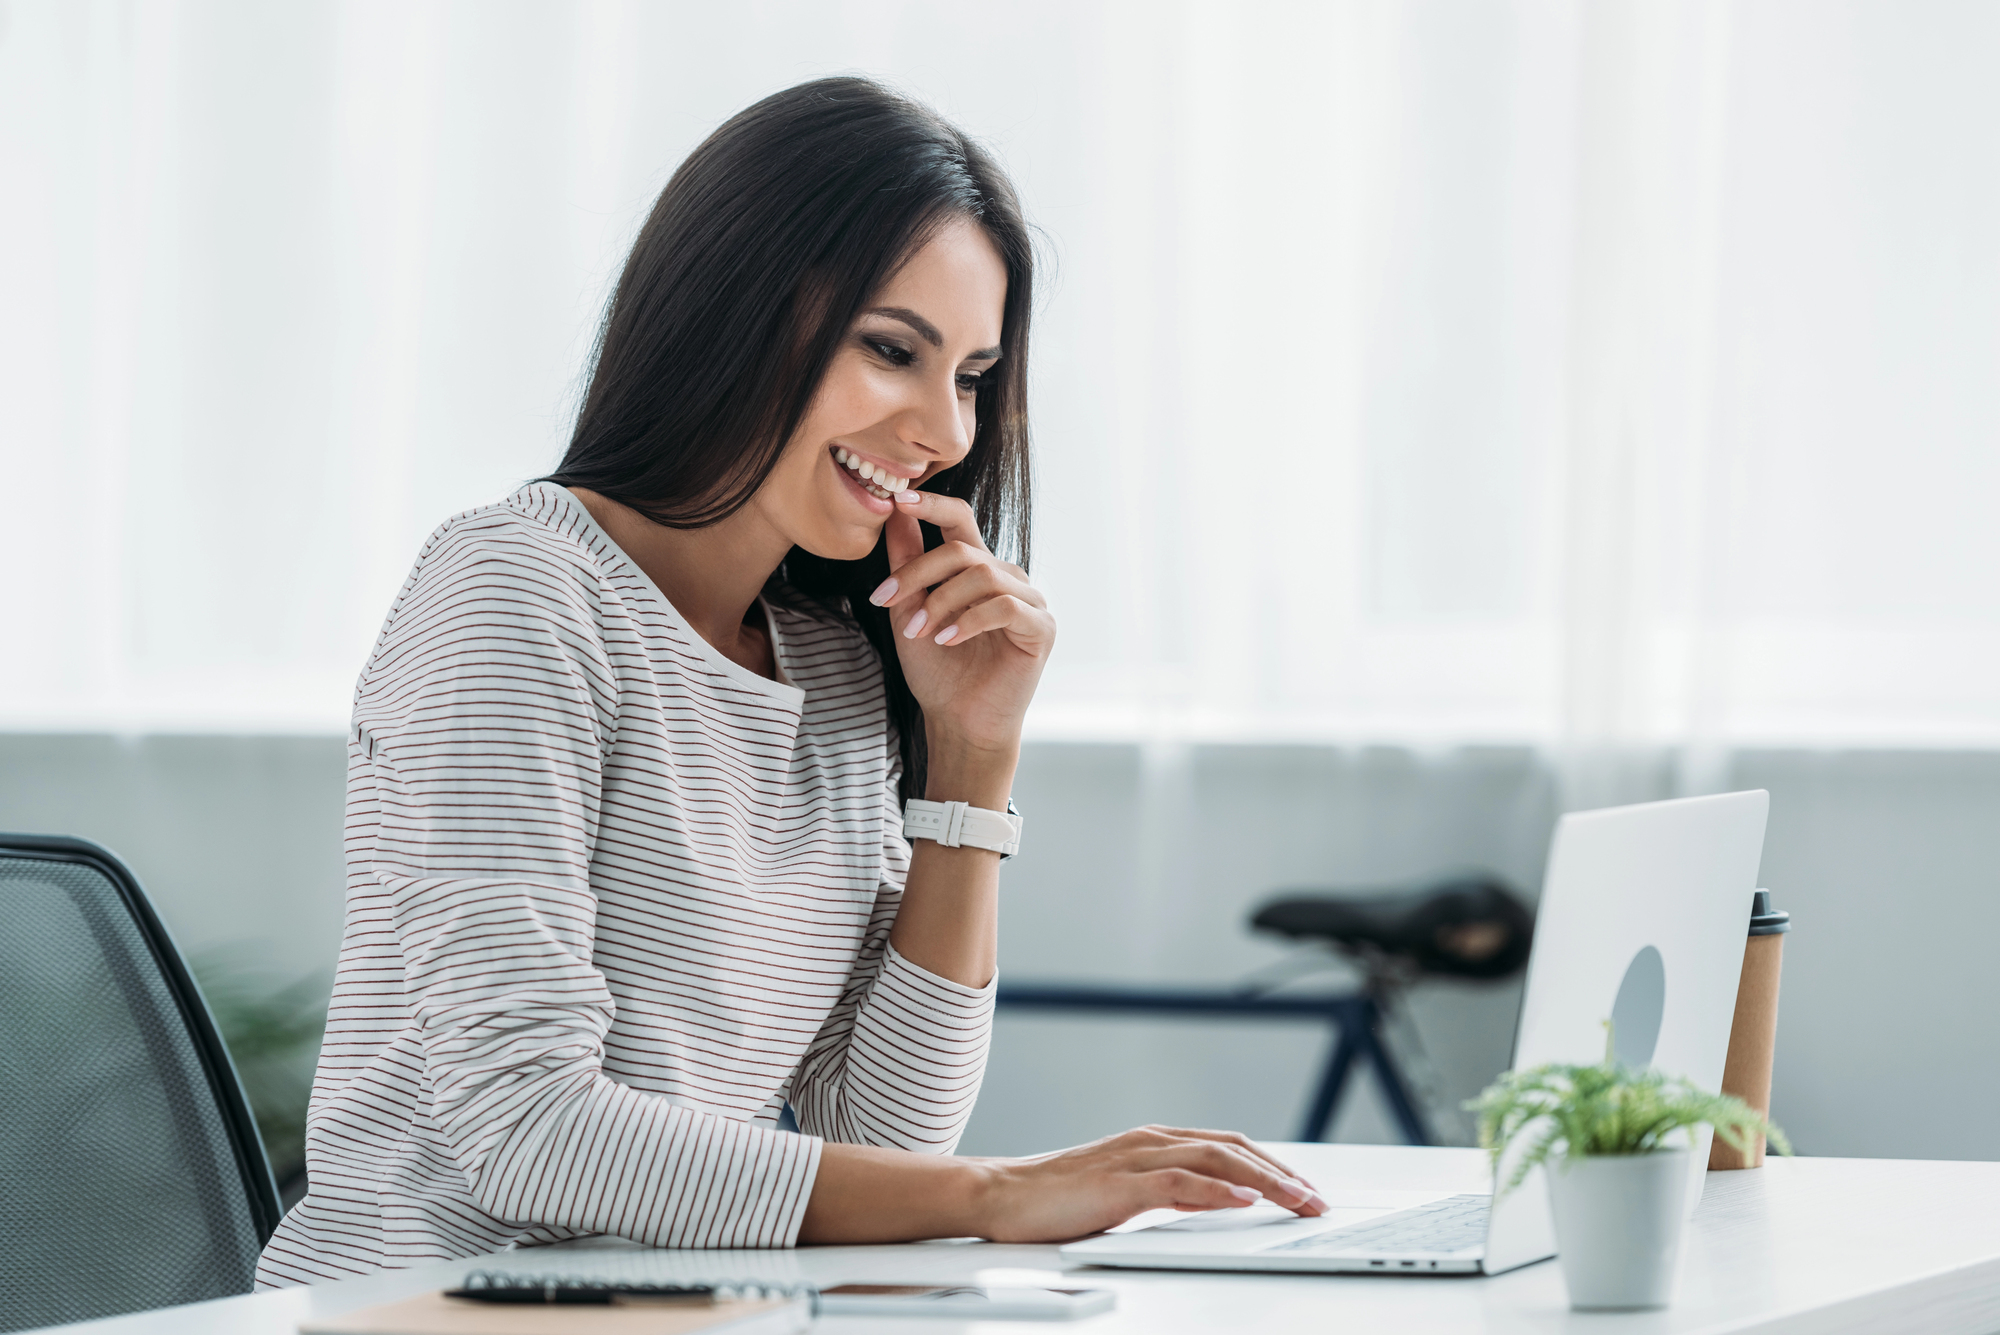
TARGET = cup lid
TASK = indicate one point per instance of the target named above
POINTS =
(1765, 920)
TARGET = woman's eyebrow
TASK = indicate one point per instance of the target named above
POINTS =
(928, 331)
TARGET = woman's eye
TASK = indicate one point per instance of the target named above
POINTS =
(969, 384)
(892, 354)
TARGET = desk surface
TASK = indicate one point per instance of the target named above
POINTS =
(1801, 1245)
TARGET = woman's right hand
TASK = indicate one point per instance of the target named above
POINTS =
(1075, 1192)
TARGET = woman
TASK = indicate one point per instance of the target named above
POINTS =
(626, 830)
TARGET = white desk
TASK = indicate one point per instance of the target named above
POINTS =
(1804, 1245)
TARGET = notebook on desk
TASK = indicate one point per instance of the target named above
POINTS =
(516, 1305)
(1662, 887)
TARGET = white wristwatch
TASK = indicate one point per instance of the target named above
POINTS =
(956, 825)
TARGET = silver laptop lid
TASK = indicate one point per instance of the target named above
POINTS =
(1660, 892)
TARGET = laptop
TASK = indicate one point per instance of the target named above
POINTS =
(1643, 918)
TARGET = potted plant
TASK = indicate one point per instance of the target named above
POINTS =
(1617, 1179)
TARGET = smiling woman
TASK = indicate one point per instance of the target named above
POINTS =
(630, 865)
(800, 262)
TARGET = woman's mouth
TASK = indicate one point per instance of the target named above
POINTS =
(874, 479)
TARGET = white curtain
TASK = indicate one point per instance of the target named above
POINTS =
(1610, 376)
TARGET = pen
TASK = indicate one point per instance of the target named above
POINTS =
(601, 1295)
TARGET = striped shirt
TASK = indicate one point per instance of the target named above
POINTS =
(613, 900)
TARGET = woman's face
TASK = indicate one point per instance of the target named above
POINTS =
(896, 404)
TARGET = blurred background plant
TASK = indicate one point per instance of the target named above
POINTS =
(273, 1032)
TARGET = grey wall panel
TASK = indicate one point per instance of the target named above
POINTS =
(1889, 1017)
(1142, 863)
(237, 839)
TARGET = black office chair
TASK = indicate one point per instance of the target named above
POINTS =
(131, 1173)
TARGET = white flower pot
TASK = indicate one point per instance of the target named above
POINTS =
(1618, 1226)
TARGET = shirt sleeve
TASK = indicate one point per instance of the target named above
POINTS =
(899, 1060)
(484, 714)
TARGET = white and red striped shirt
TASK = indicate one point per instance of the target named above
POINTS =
(613, 900)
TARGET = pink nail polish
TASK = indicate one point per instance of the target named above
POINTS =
(908, 497)
(1248, 1195)
(944, 636)
(884, 593)
(916, 626)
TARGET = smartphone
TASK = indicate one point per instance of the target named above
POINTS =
(967, 1302)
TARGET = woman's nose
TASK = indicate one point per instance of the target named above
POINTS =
(940, 423)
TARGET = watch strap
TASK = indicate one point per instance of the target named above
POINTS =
(959, 825)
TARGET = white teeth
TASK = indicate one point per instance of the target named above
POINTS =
(872, 474)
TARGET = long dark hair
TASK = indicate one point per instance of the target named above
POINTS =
(756, 258)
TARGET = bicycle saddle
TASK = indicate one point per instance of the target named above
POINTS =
(1468, 927)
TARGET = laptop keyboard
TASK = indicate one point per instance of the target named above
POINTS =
(1454, 1224)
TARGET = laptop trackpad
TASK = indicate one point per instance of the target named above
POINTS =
(1218, 1221)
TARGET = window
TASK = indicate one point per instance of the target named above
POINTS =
(1408, 372)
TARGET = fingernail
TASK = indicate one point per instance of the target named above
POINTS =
(1248, 1195)
(1315, 1201)
(944, 636)
(908, 497)
(916, 626)
(882, 595)
(1298, 1191)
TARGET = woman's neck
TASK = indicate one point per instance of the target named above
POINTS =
(711, 575)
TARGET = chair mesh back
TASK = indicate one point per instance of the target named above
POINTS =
(120, 1187)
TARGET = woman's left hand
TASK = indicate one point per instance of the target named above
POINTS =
(972, 633)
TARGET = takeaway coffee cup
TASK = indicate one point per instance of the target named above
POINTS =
(1753, 1036)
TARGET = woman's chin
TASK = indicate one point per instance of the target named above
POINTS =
(850, 545)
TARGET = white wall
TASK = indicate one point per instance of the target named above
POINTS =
(1887, 860)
